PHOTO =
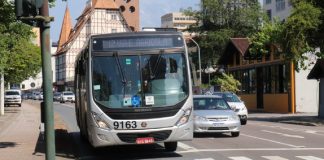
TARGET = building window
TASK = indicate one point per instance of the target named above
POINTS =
(122, 8)
(113, 17)
(280, 5)
(275, 79)
(269, 14)
(132, 9)
(268, 1)
(23, 86)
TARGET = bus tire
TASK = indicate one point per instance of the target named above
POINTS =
(170, 146)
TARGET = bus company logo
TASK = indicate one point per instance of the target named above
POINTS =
(142, 109)
(143, 124)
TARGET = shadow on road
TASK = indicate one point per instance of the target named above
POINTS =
(87, 152)
(70, 146)
(212, 135)
(7, 144)
(63, 144)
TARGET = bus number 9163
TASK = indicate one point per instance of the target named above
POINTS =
(125, 125)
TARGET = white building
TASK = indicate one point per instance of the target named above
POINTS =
(177, 20)
(98, 17)
(277, 8)
(306, 90)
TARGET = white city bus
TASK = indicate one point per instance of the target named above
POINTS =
(134, 88)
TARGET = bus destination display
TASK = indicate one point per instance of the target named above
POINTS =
(120, 43)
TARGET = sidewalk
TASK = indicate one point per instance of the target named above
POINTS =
(307, 119)
(20, 137)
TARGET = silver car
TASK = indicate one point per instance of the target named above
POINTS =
(212, 114)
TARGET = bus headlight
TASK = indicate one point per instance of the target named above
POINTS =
(185, 117)
(100, 122)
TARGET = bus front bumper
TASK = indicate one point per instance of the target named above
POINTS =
(101, 137)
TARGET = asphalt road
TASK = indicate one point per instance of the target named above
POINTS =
(258, 140)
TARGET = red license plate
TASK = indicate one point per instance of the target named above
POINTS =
(145, 140)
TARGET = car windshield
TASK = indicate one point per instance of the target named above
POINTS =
(140, 80)
(10, 93)
(230, 97)
(210, 104)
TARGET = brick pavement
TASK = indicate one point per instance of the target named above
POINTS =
(20, 137)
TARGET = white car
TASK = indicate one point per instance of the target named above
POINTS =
(236, 104)
(213, 115)
(12, 97)
(67, 96)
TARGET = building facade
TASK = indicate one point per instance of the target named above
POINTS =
(269, 82)
(177, 20)
(98, 17)
(130, 10)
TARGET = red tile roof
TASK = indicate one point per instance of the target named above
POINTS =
(241, 44)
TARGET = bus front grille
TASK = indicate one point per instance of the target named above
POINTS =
(131, 137)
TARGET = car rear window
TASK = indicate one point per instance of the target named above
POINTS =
(9, 93)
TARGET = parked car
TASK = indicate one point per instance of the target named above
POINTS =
(212, 114)
(57, 96)
(67, 96)
(36, 95)
(12, 97)
(236, 104)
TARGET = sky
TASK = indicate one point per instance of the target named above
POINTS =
(150, 12)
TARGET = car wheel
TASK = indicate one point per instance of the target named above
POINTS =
(235, 134)
(19, 105)
(243, 122)
(170, 146)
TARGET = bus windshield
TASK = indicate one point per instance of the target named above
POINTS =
(139, 80)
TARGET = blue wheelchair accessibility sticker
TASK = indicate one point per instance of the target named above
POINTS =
(136, 101)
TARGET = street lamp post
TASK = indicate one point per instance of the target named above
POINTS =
(209, 70)
(199, 62)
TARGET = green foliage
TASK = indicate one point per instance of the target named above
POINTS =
(227, 83)
(217, 21)
(270, 33)
(20, 58)
(298, 36)
(298, 30)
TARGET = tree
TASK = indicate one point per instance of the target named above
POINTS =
(227, 83)
(300, 34)
(218, 21)
(20, 58)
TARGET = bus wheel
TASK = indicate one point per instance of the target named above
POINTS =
(170, 146)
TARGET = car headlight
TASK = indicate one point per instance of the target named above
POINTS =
(200, 118)
(100, 122)
(234, 117)
(185, 117)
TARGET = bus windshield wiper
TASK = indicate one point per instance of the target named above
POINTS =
(121, 72)
(156, 65)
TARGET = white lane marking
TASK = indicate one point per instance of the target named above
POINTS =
(309, 158)
(205, 159)
(269, 140)
(319, 133)
(283, 134)
(239, 158)
(185, 146)
(251, 149)
(274, 158)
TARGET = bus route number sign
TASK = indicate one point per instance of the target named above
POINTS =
(125, 125)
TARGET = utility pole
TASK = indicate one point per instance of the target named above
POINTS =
(37, 12)
(1, 94)
(47, 81)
